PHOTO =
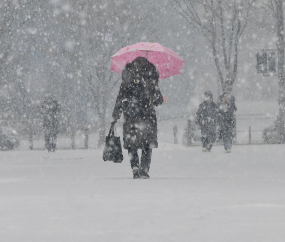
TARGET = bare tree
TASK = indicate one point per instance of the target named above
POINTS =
(13, 16)
(276, 8)
(222, 23)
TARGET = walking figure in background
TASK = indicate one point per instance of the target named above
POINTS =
(139, 94)
(50, 109)
(207, 120)
(227, 120)
(175, 131)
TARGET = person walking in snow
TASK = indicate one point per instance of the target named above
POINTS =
(139, 94)
(207, 119)
(50, 109)
(227, 120)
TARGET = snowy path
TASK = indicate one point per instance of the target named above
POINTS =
(192, 196)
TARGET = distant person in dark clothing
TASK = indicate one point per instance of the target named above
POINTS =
(50, 109)
(227, 120)
(207, 119)
(139, 94)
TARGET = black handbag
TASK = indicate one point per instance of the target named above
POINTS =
(113, 148)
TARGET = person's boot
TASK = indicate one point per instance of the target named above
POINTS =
(136, 174)
(48, 147)
(143, 174)
(53, 147)
(209, 147)
(205, 150)
(228, 151)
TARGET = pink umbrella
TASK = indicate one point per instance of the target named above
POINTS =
(166, 61)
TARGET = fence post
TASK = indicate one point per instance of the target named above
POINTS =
(72, 137)
(31, 145)
(175, 131)
(189, 132)
(86, 139)
(249, 135)
(235, 138)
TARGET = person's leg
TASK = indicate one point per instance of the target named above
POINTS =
(134, 158)
(53, 142)
(209, 146)
(211, 139)
(204, 140)
(146, 159)
(224, 135)
(230, 141)
(145, 163)
(47, 140)
(227, 141)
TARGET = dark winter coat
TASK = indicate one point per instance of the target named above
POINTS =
(139, 132)
(227, 119)
(50, 110)
(207, 117)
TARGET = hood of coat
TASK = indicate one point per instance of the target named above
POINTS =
(227, 98)
(208, 96)
(139, 69)
(227, 102)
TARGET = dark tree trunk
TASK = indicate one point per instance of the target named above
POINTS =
(281, 70)
(102, 126)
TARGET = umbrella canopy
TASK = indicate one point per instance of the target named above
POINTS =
(166, 61)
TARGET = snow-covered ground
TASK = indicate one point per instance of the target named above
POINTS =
(72, 195)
